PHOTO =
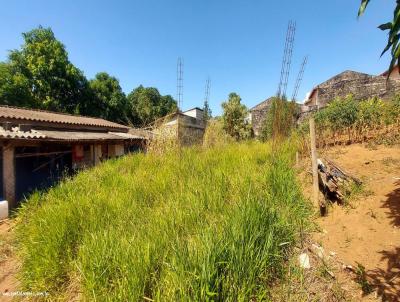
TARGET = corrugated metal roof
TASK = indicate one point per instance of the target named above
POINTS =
(16, 133)
(77, 135)
(126, 135)
(52, 117)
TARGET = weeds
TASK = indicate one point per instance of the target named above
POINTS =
(204, 225)
(361, 279)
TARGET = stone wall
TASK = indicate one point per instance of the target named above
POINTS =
(361, 88)
(257, 120)
(190, 131)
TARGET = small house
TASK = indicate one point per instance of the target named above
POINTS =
(39, 147)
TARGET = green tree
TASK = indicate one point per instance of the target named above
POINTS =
(42, 67)
(14, 88)
(207, 111)
(107, 100)
(146, 104)
(394, 32)
(234, 117)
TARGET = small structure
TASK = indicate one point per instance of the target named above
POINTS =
(362, 86)
(40, 147)
(185, 128)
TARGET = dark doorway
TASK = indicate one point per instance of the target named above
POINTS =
(39, 168)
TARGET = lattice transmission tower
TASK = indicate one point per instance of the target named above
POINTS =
(287, 59)
(179, 82)
(207, 91)
(299, 78)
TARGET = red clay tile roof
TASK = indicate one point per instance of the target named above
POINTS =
(53, 117)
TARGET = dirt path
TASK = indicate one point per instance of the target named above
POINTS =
(368, 232)
(8, 264)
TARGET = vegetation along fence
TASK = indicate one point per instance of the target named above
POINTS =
(349, 121)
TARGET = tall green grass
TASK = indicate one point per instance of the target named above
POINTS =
(205, 225)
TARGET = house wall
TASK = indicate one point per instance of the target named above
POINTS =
(189, 135)
(116, 150)
(257, 120)
(196, 113)
(361, 89)
(188, 131)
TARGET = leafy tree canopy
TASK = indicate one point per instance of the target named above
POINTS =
(43, 74)
(14, 88)
(234, 117)
(40, 75)
(146, 104)
(107, 99)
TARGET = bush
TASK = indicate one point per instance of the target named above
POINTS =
(215, 224)
(359, 120)
(280, 119)
(215, 134)
(234, 118)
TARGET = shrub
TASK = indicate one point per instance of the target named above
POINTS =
(234, 118)
(280, 119)
(215, 134)
(359, 119)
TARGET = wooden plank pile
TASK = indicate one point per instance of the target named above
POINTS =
(333, 180)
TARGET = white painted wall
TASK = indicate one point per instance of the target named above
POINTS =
(196, 113)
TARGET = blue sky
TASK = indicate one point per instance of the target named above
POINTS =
(237, 43)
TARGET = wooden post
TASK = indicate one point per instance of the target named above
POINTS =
(314, 163)
(297, 159)
(9, 175)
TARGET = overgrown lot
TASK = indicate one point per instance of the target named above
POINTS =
(213, 224)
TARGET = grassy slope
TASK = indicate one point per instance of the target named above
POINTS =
(208, 225)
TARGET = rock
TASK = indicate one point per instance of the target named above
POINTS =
(347, 267)
(304, 261)
(318, 250)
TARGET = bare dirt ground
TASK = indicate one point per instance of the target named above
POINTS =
(8, 263)
(367, 231)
